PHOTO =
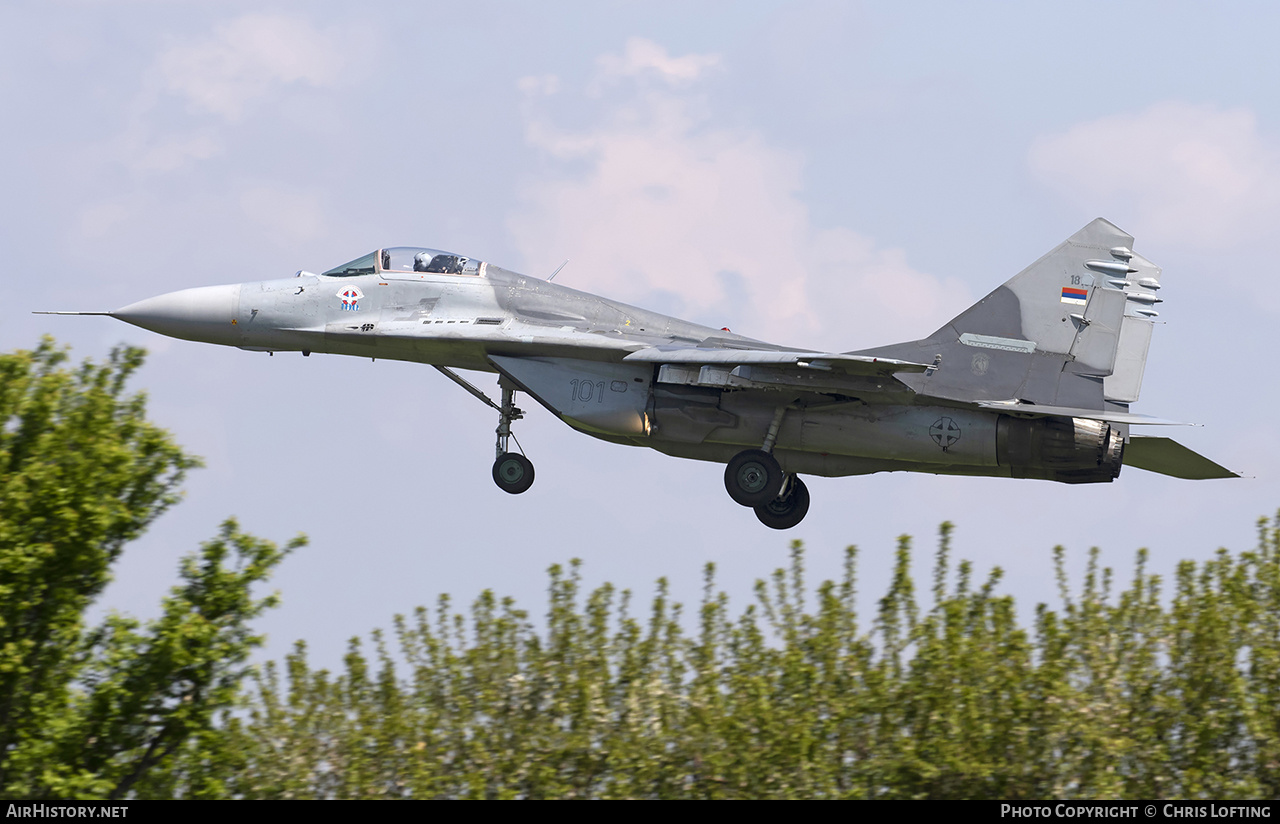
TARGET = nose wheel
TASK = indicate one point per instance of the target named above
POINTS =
(513, 472)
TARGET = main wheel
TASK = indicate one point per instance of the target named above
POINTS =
(753, 478)
(784, 513)
(513, 472)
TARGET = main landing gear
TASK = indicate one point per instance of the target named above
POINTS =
(789, 508)
(780, 499)
(512, 471)
(754, 478)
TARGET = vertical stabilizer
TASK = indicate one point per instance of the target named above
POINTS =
(1071, 329)
(1054, 301)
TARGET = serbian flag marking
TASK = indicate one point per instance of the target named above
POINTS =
(1074, 295)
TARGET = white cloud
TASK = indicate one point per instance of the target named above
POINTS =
(243, 59)
(654, 201)
(1196, 173)
(644, 58)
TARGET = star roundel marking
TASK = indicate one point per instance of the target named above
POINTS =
(944, 432)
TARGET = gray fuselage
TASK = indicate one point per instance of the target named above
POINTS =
(566, 348)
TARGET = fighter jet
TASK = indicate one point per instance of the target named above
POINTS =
(1033, 381)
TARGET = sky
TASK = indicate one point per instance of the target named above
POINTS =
(835, 175)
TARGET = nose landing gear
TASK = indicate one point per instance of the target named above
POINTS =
(512, 472)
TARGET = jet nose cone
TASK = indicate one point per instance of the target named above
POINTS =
(207, 313)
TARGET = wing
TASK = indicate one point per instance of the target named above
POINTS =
(822, 372)
(821, 361)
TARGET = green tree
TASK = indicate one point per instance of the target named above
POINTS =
(1117, 692)
(93, 712)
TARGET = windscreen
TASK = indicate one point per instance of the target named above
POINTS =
(359, 266)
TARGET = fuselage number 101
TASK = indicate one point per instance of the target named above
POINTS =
(586, 391)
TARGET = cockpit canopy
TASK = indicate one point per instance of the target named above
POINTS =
(406, 259)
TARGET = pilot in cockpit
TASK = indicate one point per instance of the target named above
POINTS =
(442, 264)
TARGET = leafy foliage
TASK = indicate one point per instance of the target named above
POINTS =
(1112, 695)
(92, 713)
(1116, 693)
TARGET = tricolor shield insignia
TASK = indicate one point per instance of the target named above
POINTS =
(350, 297)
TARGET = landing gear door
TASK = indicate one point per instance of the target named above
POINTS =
(594, 396)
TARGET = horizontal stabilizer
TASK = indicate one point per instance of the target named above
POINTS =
(823, 361)
(1013, 407)
(1168, 457)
